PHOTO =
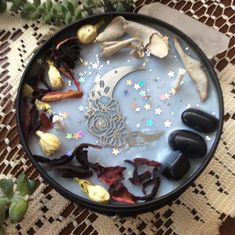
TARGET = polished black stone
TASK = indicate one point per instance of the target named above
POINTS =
(199, 120)
(188, 142)
(177, 168)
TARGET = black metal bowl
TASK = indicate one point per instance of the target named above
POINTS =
(108, 208)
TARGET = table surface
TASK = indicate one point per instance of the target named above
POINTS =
(49, 210)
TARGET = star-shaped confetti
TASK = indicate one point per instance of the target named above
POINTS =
(78, 135)
(147, 106)
(108, 62)
(149, 122)
(129, 82)
(136, 86)
(138, 125)
(158, 111)
(137, 109)
(69, 136)
(141, 83)
(142, 93)
(171, 74)
(165, 38)
(82, 80)
(167, 124)
(115, 151)
(208, 138)
(188, 106)
(81, 108)
(95, 66)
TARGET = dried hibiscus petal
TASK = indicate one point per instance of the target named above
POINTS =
(109, 175)
(46, 122)
(71, 171)
(144, 161)
(119, 193)
(156, 183)
(54, 162)
(137, 179)
(26, 116)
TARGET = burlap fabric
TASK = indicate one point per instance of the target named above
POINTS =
(198, 211)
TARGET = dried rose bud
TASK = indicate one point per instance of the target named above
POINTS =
(95, 192)
(48, 142)
(54, 76)
(88, 33)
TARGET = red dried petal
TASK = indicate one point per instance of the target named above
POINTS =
(110, 175)
(119, 193)
(45, 121)
(144, 161)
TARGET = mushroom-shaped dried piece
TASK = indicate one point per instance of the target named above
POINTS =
(113, 31)
(113, 47)
(196, 73)
(151, 38)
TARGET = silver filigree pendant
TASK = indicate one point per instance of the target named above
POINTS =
(104, 118)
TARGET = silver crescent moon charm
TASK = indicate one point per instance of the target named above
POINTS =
(104, 118)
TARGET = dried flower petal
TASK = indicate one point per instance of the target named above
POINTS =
(110, 175)
(137, 179)
(119, 193)
(40, 105)
(144, 161)
(45, 121)
(27, 90)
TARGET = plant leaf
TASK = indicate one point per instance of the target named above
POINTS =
(23, 185)
(2, 231)
(32, 186)
(70, 7)
(6, 186)
(3, 203)
(2, 217)
(16, 5)
(17, 210)
(37, 2)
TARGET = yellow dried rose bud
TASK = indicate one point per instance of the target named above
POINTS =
(27, 90)
(88, 33)
(54, 76)
(42, 105)
(95, 192)
(48, 142)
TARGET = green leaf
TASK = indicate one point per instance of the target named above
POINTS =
(70, 7)
(42, 9)
(6, 186)
(49, 4)
(18, 210)
(32, 186)
(64, 10)
(78, 13)
(3, 6)
(68, 18)
(4, 202)
(47, 18)
(28, 7)
(23, 185)
(37, 2)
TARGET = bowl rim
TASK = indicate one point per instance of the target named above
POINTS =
(123, 208)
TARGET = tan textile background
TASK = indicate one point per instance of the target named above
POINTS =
(198, 211)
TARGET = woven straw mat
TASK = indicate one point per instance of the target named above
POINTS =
(200, 210)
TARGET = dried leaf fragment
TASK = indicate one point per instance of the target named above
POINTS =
(196, 73)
